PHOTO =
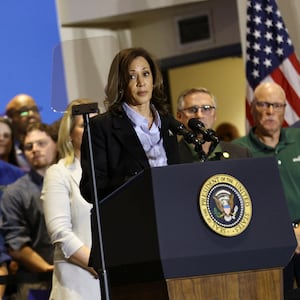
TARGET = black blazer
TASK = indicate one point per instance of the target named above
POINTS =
(234, 152)
(118, 153)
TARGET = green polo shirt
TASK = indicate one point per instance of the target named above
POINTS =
(287, 153)
(212, 156)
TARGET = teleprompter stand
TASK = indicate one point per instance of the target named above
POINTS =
(85, 110)
(158, 246)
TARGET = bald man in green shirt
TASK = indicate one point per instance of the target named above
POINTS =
(268, 138)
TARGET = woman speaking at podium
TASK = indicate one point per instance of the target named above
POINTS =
(133, 134)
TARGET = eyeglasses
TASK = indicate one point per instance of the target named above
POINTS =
(39, 143)
(265, 105)
(24, 111)
(205, 109)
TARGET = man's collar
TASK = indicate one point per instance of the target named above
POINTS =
(36, 177)
(284, 139)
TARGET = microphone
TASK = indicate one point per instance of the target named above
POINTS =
(208, 134)
(178, 128)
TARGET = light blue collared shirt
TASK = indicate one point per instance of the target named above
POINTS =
(150, 139)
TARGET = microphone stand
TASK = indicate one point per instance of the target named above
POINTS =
(85, 110)
(201, 154)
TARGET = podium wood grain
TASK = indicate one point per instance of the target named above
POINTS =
(248, 285)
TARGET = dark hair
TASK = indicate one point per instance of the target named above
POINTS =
(12, 158)
(118, 80)
(227, 132)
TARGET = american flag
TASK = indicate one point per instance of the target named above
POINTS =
(271, 56)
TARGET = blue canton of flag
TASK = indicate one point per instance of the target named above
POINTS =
(271, 56)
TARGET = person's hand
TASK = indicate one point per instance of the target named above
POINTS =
(13, 267)
(49, 268)
(297, 234)
(93, 272)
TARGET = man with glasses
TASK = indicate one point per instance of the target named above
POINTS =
(268, 138)
(22, 111)
(22, 216)
(201, 104)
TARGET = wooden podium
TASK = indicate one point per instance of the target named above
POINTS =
(158, 246)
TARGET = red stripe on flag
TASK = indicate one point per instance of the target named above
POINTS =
(295, 62)
(248, 113)
(285, 124)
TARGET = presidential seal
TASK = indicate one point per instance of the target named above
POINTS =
(225, 205)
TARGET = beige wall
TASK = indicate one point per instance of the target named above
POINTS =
(158, 34)
(223, 78)
(79, 11)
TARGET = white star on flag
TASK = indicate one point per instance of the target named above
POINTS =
(271, 56)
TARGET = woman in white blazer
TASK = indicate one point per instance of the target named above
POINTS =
(67, 216)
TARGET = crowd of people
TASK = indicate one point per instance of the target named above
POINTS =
(48, 221)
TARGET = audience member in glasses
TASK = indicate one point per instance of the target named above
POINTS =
(22, 217)
(133, 134)
(67, 215)
(268, 138)
(201, 104)
(22, 111)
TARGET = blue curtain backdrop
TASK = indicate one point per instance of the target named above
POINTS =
(29, 35)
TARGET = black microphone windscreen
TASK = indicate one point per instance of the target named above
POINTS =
(195, 123)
